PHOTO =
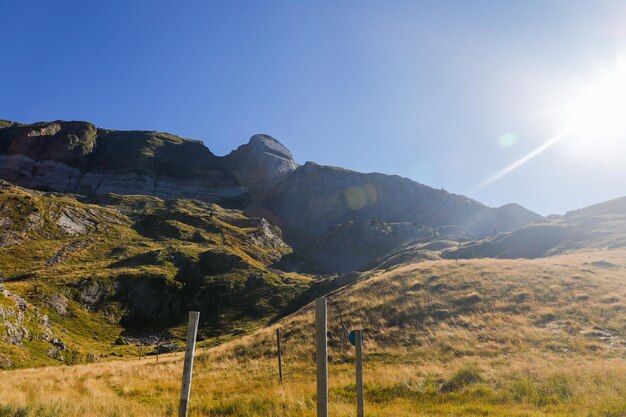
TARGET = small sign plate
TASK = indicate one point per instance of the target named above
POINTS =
(352, 337)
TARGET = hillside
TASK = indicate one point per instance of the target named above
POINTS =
(317, 197)
(80, 280)
(261, 177)
(598, 227)
(481, 337)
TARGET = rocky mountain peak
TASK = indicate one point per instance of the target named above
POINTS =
(261, 163)
(266, 143)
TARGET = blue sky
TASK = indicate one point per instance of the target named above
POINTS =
(444, 92)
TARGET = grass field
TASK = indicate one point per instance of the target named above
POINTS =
(521, 385)
(469, 338)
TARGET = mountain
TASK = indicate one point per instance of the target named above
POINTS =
(314, 199)
(77, 278)
(77, 157)
(107, 238)
(260, 177)
(598, 227)
(260, 164)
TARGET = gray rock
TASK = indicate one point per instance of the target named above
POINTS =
(260, 164)
(5, 363)
(91, 292)
(58, 344)
(55, 353)
(58, 303)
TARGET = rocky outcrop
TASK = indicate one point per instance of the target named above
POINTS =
(20, 321)
(77, 157)
(260, 164)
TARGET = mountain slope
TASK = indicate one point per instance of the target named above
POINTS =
(315, 199)
(78, 276)
(261, 177)
(500, 338)
(598, 227)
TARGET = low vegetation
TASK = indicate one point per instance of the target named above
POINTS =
(76, 277)
(443, 338)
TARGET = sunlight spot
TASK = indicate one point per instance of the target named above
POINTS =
(372, 194)
(356, 198)
(508, 139)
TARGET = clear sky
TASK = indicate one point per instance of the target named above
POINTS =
(448, 93)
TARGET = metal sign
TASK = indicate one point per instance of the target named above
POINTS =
(352, 337)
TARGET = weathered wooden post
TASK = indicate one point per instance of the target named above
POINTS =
(158, 349)
(140, 350)
(321, 349)
(358, 339)
(192, 332)
(280, 357)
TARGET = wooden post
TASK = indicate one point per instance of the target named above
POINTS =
(321, 348)
(158, 349)
(358, 340)
(280, 357)
(192, 332)
(140, 350)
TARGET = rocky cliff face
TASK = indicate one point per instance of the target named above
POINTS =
(315, 198)
(261, 176)
(77, 157)
(261, 164)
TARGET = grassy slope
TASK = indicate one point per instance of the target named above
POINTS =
(474, 338)
(144, 242)
(597, 227)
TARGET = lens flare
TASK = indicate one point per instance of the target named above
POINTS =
(508, 139)
(520, 162)
(592, 122)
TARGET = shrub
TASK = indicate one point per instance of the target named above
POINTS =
(121, 341)
(555, 389)
(468, 375)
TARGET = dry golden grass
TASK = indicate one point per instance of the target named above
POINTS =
(474, 338)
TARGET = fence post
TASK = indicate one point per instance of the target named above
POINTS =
(358, 340)
(321, 348)
(192, 332)
(280, 357)
(158, 349)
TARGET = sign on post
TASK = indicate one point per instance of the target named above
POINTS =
(321, 353)
(192, 332)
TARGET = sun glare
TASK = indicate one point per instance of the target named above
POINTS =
(596, 118)
(591, 123)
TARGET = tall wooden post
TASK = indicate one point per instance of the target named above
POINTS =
(280, 357)
(158, 349)
(321, 349)
(358, 341)
(192, 332)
